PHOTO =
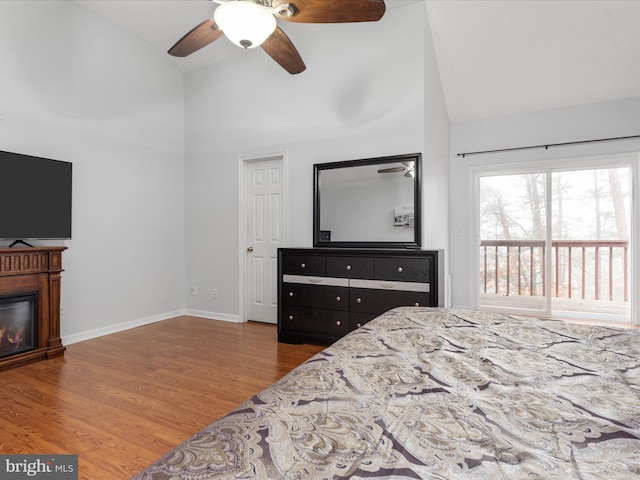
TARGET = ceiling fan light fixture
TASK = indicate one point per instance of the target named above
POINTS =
(245, 23)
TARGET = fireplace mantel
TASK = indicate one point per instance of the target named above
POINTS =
(35, 270)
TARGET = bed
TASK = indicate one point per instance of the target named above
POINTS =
(427, 393)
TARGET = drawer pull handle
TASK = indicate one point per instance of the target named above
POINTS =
(348, 267)
(400, 269)
(290, 317)
(358, 300)
(291, 294)
(303, 265)
(337, 299)
(416, 304)
(338, 323)
(358, 325)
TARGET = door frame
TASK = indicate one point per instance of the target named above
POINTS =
(243, 163)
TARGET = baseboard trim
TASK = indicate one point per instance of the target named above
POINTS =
(225, 317)
(120, 327)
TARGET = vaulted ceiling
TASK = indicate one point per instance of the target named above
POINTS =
(495, 58)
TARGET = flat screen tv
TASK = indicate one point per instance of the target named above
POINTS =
(35, 197)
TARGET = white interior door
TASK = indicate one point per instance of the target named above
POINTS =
(264, 200)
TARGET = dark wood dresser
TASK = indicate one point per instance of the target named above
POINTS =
(325, 293)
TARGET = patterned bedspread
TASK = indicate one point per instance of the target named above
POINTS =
(437, 394)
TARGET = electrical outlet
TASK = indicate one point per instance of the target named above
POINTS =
(193, 290)
(214, 293)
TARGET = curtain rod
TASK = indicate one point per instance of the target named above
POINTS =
(546, 146)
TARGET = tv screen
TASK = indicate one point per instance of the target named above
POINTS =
(35, 197)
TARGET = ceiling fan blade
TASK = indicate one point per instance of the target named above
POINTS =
(332, 11)
(198, 37)
(282, 50)
(392, 170)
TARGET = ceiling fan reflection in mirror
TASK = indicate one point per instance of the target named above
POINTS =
(408, 169)
(252, 23)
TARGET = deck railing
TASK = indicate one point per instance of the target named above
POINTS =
(587, 269)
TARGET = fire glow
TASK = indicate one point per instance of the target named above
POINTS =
(11, 337)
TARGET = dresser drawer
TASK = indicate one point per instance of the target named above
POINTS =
(358, 319)
(315, 321)
(350, 267)
(303, 264)
(365, 300)
(403, 269)
(315, 296)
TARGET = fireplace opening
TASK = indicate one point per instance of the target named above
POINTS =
(17, 324)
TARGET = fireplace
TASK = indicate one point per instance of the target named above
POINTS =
(29, 305)
(17, 324)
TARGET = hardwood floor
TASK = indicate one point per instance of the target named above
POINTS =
(123, 400)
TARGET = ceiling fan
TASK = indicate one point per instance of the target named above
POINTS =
(407, 169)
(252, 23)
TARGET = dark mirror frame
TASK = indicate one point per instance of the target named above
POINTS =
(318, 168)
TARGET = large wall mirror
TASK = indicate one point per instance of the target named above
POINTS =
(369, 203)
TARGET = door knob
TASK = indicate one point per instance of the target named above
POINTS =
(249, 249)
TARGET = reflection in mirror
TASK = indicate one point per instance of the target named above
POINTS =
(368, 203)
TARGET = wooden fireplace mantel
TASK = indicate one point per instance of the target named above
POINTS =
(35, 270)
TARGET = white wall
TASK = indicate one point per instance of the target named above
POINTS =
(74, 87)
(435, 160)
(603, 120)
(364, 94)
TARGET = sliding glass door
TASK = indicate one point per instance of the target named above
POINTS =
(513, 232)
(555, 242)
